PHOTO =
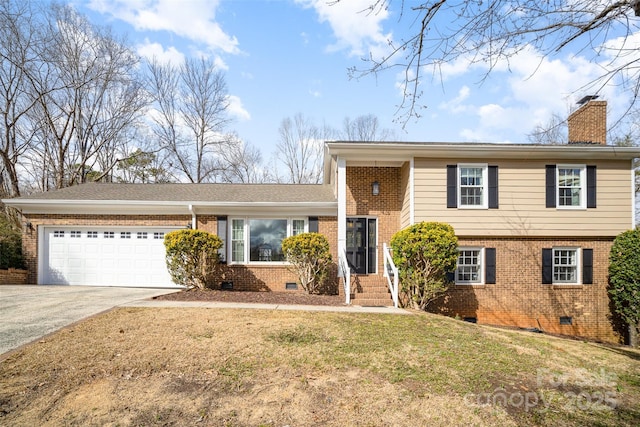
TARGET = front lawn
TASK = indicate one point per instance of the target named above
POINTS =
(176, 366)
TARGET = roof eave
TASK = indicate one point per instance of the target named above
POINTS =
(390, 152)
(138, 207)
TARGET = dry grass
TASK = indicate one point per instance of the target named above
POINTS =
(274, 368)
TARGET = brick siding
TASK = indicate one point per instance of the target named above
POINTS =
(520, 299)
(244, 277)
(386, 207)
(13, 276)
(588, 124)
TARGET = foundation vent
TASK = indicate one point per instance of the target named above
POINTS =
(566, 320)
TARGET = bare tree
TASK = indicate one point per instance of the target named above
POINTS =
(18, 67)
(300, 151)
(553, 132)
(497, 30)
(365, 128)
(87, 96)
(191, 104)
(240, 162)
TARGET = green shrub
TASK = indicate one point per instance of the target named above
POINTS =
(624, 279)
(10, 244)
(424, 253)
(309, 256)
(192, 257)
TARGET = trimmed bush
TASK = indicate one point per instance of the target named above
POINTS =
(192, 257)
(624, 280)
(10, 244)
(424, 253)
(309, 256)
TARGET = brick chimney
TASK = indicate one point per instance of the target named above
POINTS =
(588, 124)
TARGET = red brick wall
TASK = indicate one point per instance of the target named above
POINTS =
(386, 206)
(13, 276)
(589, 123)
(520, 299)
(244, 277)
(265, 277)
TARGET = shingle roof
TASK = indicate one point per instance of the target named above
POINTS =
(235, 193)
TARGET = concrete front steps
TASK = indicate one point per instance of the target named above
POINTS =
(370, 291)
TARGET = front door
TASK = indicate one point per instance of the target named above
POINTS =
(361, 245)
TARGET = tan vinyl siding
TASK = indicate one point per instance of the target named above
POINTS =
(522, 211)
(405, 189)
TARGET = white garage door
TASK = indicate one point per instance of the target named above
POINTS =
(102, 256)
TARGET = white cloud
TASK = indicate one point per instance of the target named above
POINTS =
(152, 50)
(194, 19)
(354, 25)
(237, 109)
(456, 105)
(526, 91)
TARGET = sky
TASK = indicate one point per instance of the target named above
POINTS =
(283, 57)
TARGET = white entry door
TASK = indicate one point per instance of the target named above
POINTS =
(104, 256)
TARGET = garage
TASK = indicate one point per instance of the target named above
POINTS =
(104, 256)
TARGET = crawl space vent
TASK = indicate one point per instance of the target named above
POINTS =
(566, 320)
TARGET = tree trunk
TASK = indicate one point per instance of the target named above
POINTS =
(633, 335)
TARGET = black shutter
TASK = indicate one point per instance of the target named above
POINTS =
(313, 224)
(450, 276)
(591, 186)
(493, 187)
(222, 234)
(490, 266)
(587, 266)
(547, 266)
(452, 185)
(551, 186)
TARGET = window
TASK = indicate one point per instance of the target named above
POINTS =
(476, 266)
(125, 234)
(75, 234)
(260, 239)
(58, 233)
(222, 234)
(141, 234)
(472, 182)
(570, 186)
(108, 235)
(469, 269)
(237, 240)
(265, 239)
(298, 227)
(158, 235)
(472, 186)
(92, 234)
(566, 265)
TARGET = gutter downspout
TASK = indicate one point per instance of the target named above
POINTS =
(194, 220)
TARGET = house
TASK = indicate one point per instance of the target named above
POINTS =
(535, 224)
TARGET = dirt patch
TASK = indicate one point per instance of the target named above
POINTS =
(283, 298)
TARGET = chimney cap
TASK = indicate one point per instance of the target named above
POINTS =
(587, 99)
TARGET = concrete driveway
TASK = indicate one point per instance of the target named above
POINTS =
(30, 312)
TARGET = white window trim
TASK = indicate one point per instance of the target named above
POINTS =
(578, 265)
(583, 186)
(481, 272)
(485, 185)
(247, 238)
